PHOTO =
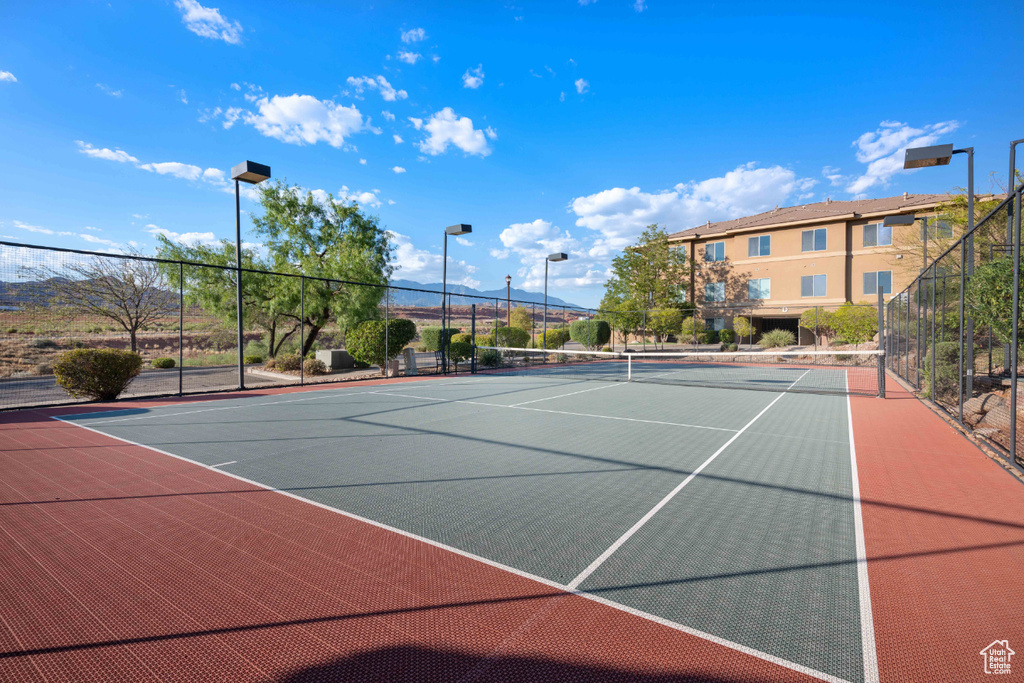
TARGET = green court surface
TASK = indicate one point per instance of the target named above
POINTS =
(586, 485)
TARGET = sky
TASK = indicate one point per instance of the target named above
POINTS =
(557, 125)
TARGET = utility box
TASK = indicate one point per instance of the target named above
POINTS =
(409, 356)
(336, 359)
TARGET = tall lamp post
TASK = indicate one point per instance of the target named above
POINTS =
(551, 257)
(252, 173)
(910, 219)
(454, 230)
(940, 155)
(508, 302)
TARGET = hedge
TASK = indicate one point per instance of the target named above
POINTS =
(314, 366)
(431, 337)
(366, 342)
(591, 334)
(459, 351)
(162, 363)
(512, 337)
(726, 336)
(288, 362)
(101, 374)
(553, 339)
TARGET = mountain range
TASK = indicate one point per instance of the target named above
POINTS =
(403, 298)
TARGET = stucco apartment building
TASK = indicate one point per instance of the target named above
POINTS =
(777, 264)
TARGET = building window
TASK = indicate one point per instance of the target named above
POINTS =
(940, 230)
(882, 278)
(716, 324)
(714, 251)
(759, 289)
(759, 246)
(814, 240)
(877, 235)
(714, 291)
(812, 285)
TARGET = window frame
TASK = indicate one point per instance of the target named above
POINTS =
(760, 240)
(879, 230)
(717, 324)
(718, 286)
(812, 295)
(707, 245)
(814, 240)
(760, 288)
(873, 291)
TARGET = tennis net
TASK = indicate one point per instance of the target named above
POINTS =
(820, 372)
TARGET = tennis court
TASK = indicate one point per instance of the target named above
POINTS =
(589, 486)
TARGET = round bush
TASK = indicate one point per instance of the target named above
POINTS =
(459, 351)
(289, 362)
(591, 334)
(726, 336)
(734, 347)
(101, 374)
(553, 339)
(462, 337)
(253, 360)
(431, 336)
(366, 342)
(742, 327)
(512, 337)
(163, 363)
(691, 329)
(490, 358)
(776, 339)
(314, 366)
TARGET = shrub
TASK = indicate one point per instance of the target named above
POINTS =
(462, 337)
(512, 337)
(431, 337)
(947, 375)
(816, 321)
(12, 330)
(42, 369)
(42, 344)
(270, 364)
(163, 363)
(726, 336)
(253, 360)
(314, 366)
(689, 331)
(553, 339)
(607, 349)
(709, 337)
(853, 324)
(485, 339)
(490, 358)
(591, 334)
(367, 341)
(734, 347)
(990, 298)
(288, 362)
(459, 351)
(742, 327)
(101, 374)
(777, 338)
(521, 318)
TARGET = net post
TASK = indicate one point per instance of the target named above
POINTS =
(881, 344)
(1014, 334)
(472, 333)
(931, 389)
(181, 327)
(629, 367)
(387, 330)
(302, 329)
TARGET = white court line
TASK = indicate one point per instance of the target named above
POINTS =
(793, 666)
(801, 377)
(550, 398)
(664, 501)
(556, 412)
(229, 462)
(867, 620)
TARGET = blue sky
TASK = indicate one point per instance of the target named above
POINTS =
(564, 125)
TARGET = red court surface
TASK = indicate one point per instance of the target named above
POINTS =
(120, 563)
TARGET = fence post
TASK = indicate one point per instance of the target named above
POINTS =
(644, 343)
(881, 344)
(815, 328)
(495, 324)
(1014, 333)
(931, 389)
(960, 324)
(472, 334)
(917, 364)
(387, 331)
(302, 329)
(181, 327)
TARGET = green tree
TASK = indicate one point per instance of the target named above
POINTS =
(591, 334)
(990, 299)
(815, 320)
(743, 329)
(521, 317)
(650, 272)
(375, 342)
(690, 329)
(623, 316)
(853, 323)
(664, 321)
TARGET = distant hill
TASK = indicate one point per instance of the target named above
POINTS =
(402, 298)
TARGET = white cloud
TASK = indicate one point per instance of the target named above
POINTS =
(208, 22)
(88, 227)
(363, 198)
(188, 238)
(97, 240)
(363, 162)
(413, 35)
(561, 96)
(584, 3)
(446, 127)
(391, 202)
(463, 241)
(882, 150)
(231, 115)
(409, 57)
(491, 133)
(235, 86)
(618, 215)
(533, 241)
(174, 168)
(379, 83)
(398, 139)
(387, 115)
(183, 96)
(582, 86)
(32, 228)
(7, 76)
(473, 78)
(119, 155)
(303, 119)
(640, 5)
(110, 91)
(398, 169)
(832, 175)
(416, 123)
(425, 266)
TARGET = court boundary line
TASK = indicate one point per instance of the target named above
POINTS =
(556, 412)
(551, 398)
(758, 654)
(593, 566)
(869, 650)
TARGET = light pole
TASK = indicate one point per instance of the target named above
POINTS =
(940, 155)
(551, 257)
(909, 219)
(252, 173)
(458, 229)
(508, 303)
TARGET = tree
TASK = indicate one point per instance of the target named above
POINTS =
(853, 323)
(131, 292)
(375, 342)
(522, 318)
(690, 329)
(622, 315)
(990, 299)
(664, 321)
(591, 334)
(815, 320)
(650, 273)
(743, 329)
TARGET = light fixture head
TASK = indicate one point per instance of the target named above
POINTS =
(250, 172)
(558, 257)
(508, 279)
(899, 219)
(919, 157)
(459, 229)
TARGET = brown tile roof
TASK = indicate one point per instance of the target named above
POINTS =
(817, 212)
